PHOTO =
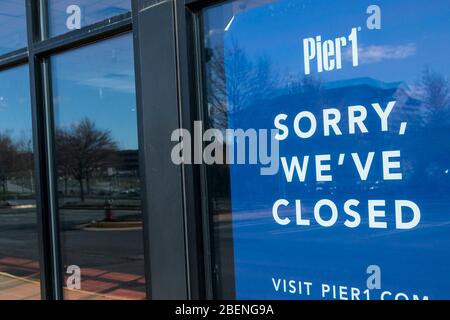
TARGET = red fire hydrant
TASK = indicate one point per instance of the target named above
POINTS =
(109, 216)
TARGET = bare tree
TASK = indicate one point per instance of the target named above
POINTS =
(81, 150)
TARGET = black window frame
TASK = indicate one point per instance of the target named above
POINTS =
(177, 25)
(176, 221)
(36, 55)
(167, 43)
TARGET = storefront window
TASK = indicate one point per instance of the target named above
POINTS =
(98, 171)
(19, 257)
(13, 28)
(69, 15)
(356, 203)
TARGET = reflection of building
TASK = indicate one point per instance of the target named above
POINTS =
(409, 108)
(368, 91)
(128, 162)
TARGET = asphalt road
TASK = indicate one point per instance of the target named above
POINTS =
(118, 251)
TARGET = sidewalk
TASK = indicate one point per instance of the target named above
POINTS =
(97, 284)
(14, 288)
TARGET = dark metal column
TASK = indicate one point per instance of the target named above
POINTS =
(51, 287)
(158, 110)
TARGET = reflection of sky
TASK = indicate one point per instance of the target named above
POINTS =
(414, 34)
(15, 108)
(91, 12)
(97, 82)
(13, 34)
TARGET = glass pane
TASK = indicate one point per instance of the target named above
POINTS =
(68, 15)
(13, 29)
(360, 99)
(19, 257)
(98, 171)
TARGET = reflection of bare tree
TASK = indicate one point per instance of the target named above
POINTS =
(435, 96)
(16, 159)
(8, 152)
(82, 150)
(24, 165)
(432, 160)
(237, 86)
(309, 86)
(236, 83)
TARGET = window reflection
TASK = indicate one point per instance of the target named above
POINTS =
(13, 30)
(255, 69)
(68, 15)
(19, 258)
(98, 171)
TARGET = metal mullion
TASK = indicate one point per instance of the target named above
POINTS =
(52, 189)
(104, 29)
(14, 58)
(48, 232)
(142, 167)
(197, 5)
(42, 31)
(196, 80)
(190, 99)
(197, 219)
(172, 61)
(157, 93)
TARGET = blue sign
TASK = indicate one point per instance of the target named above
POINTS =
(358, 206)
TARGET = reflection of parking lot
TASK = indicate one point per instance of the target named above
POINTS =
(112, 262)
(93, 202)
(16, 288)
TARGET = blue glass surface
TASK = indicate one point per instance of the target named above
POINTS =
(256, 70)
(68, 15)
(19, 252)
(96, 151)
(13, 26)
